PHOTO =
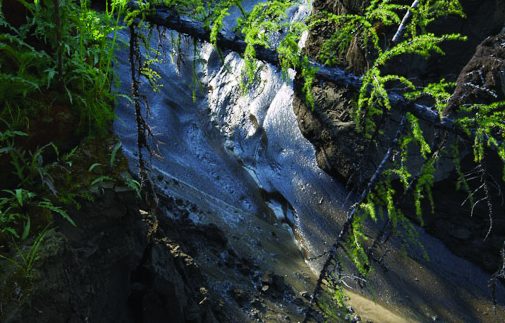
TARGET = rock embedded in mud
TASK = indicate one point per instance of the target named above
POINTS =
(305, 295)
(461, 233)
(240, 296)
(273, 283)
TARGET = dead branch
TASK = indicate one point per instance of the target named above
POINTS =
(143, 129)
(401, 29)
(499, 274)
(391, 152)
(135, 61)
(167, 18)
(489, 200)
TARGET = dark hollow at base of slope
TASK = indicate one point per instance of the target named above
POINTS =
(117, 265)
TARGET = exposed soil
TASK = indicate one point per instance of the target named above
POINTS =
(117, 265)
(123, 264)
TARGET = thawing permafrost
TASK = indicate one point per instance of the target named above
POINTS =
(261, 129)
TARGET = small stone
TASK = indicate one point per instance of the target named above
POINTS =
(255, 313)
(305, 295)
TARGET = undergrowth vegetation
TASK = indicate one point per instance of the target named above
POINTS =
(55, 93)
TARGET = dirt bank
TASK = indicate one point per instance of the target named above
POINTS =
(117, 265)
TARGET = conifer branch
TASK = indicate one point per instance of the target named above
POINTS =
(391, 152)
(167, 18)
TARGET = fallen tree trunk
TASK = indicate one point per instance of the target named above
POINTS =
(229, 41)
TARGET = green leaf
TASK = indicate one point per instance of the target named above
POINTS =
(101, 179)
(26, 229)
(19, 193)
(46, 204)
(11, 231)
(116, 148)
(92, 167)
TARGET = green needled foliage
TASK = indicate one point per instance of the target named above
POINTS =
(485, 123)
(360, 28)
(439, 92)
(374, 98)
(258, 26)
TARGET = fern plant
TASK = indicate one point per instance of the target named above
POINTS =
(78, 70)
(362, 28)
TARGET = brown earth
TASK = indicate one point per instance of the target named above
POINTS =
(482, 80)
(117, 265)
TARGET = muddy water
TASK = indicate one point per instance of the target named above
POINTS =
(241, 157)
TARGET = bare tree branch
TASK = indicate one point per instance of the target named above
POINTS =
(499, 274)
(401, 29)
(391, 152)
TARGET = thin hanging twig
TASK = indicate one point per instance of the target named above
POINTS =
(499, 274)
(135, 63)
